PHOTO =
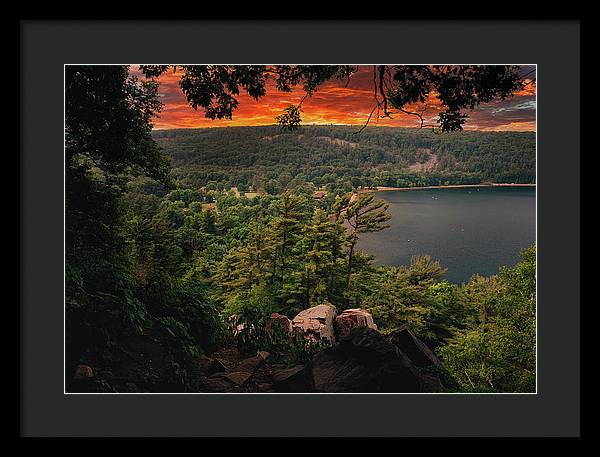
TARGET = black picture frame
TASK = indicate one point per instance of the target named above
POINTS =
(46, 46)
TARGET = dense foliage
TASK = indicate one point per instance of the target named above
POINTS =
(108, 143)
(496, 349)
(334, 157)
(284, 253)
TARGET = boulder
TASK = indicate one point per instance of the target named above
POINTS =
(251, 363)
(238, 377)
(431, 382)
(293, 379)
(83, 372)
(218, 383)
(418, 353)
(244, 370)
(364, 361)
(316, 323)
(279, 321)
(351, 318)
(216, 365)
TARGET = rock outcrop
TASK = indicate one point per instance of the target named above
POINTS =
(239, 375)
(364, 361)
(316, 323)
(418, 353)
(360, 360)
(217, 365)
(293, 379)
(351, 318)
(321, 322)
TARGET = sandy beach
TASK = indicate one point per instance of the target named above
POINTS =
(451, 186)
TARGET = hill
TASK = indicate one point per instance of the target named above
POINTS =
(268, 158)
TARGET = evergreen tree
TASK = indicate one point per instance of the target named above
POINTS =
(285, 229)
(320, 236)
(363, 214)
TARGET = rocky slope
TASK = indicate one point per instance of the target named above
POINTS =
(359, 360)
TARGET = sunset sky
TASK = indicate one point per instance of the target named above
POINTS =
(333, 103)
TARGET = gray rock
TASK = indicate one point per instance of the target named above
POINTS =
(350, 318)
(216, 365)
(364, 361)
(243, 371)
(279, 321)
(413, 347)
(238, 377)
(294, 379)
(316, 323)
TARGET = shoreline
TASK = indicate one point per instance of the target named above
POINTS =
(450, 186)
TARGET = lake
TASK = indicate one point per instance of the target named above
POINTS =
(469, 230)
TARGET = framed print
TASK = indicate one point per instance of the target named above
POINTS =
(260, 230)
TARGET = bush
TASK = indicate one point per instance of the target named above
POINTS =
(250, 314)
(496, 353)
(176, 337)
(190, 305)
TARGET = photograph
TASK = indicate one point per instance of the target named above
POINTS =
(265, 229)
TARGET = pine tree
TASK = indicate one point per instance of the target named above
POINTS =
(319, 237)
(285, 230)
(363, 214)
(245, 266)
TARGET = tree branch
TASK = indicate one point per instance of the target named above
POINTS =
(368, 119)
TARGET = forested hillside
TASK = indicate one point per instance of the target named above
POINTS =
(269, 158)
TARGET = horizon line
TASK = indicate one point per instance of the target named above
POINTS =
(336, 125)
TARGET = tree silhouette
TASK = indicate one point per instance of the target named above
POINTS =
(458, 88)
(108, 122)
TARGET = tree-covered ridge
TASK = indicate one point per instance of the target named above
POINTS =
(267, 158)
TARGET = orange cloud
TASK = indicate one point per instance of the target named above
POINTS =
(333, 103)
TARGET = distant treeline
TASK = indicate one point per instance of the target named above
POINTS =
(270, 159)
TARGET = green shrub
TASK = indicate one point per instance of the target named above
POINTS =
(249, 316)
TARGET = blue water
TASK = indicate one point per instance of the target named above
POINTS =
(474, 230)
